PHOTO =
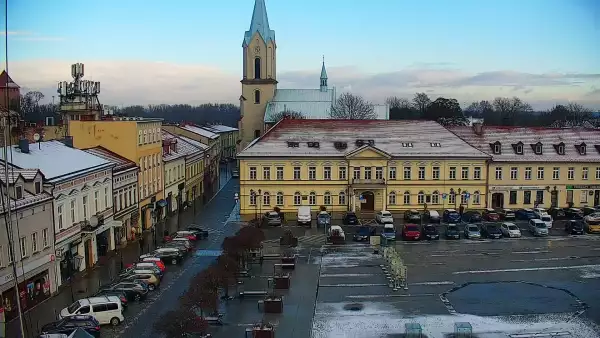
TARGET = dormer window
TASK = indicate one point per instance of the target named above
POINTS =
(496, 148)
(18, 192)
(38, 187)
(560, 148)
(518, 147)
(407, 144)
(537, 148)
(581, 148)
(436, 144)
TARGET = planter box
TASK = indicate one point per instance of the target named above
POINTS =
(285, 260)
(263, 333)
(282, 282)
(273, 305)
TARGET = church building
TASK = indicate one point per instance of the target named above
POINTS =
(261, 101)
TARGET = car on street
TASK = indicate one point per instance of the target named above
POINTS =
(525, 214)
(491, 230)
(200, 231)
(490, 215)
(411, 232)
(471, 217)
(592, 224)
(432, 216)
(107, 292)
(132, 290)
(350, 219)
(142, 267)
(161, 265)
(384, 217)
(323, 219)
(452, 231)
(192, 236)
(363, 233)
(147, 277)
(590, 210)
(472, 231)
(537, 227)
(574, 227)
(507, 214)
(451, 216)
(183, 247)
(412, 216)
(430, 232)
(539, 212)
(304, 216)
(170, 255)
(389, 232)
(546, 218)
(68, 325)
(510, 230)
(157, 263)
(336, 233)
(150, 266)
(573, 213)
(105, 309)
(272, 218)
(557, 213)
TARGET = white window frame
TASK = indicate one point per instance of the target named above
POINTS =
(407, 173)
(571, 173)
(297, 198)
(421, 173)
(327, 173)
(556, 173)
(60, 213)
(435, 173)
(464, 173)
(452, 173)
(540, 173)
(279, 199)
(498, 172)
(312, 173)
(45, 241)
(312, 198)
(252, 174)
(528, 172)
(392, 198)
(23, 246)
(34, 242)
(392, 173)
(514, 173)
(342, 173)
(477, 173)
(584, 173)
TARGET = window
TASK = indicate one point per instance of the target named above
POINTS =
(342, 198)
(407, 171)
(312, 198)
(555, 173)
(452, 173)
(140, 137)
(421, 197)
(18, 192)
(406, 197)
(368, 173)
(582, 149)
(539, 198)
(528, 173)
(96, 201)
(297, 198)
(598, 173)
(512, 198)
(85, 207)
(421, 173)
(571, 173)
(266, 173)
(435, 197)
(256, 96)
(327, 198)
(279, 174)
(257, 68)
(498, 173)
(356, 173)
(514, 173)
(583, 197)
(252, 197)
(60, 217)
(327, 173)
(497, 148)
(392, 173)
(45, 242)
(266, 198)
(279, 200)
(34, 242)
(392, 198)
(452, 198)
(463, 198)
(538, 149)
(526, 197)
(519, 149)
(256, 133)
(584, 173)
(378, 173)
(435, 173)
(72, 211)
(38, 187)
(312, 173)
(23, 246)
(540, 173)
(253, 173)
(11, 254)
(477, 173)
(342, 173)
(476, 197)
(464, 173)
(297, 173)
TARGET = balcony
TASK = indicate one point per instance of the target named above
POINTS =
(369, 182)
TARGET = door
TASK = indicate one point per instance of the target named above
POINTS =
(369, 204)
(89, 257)
(596, 197)
(101, 313)
(498, 200)
(554, 198)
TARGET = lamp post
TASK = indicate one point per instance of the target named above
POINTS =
(453, 196)
(259, 202)
(253, 198)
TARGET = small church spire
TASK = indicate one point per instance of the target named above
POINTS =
(260, 24)
(323, 76)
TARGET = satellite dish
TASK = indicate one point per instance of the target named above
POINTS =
(36, 137)
(94, 221)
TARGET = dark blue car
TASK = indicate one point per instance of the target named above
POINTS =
(451, 216)
(525, 214)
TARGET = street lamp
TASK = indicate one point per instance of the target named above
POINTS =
(259, 203)
(253, 198)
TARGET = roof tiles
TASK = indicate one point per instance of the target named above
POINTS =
(121, 162)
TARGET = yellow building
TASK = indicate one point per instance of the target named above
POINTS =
(366, 166)
(538, 166)
(138, 140)
(228, 137)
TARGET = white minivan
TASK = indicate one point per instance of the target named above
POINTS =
(106, 309)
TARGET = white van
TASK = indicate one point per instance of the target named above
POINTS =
(106, 309)
(304, 216)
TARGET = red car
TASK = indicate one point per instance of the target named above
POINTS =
(156, 261)
(186, 234)
(411, 232)
(490, 215)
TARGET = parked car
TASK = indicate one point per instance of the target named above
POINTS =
(384, 217)
(525, 214)
(132, 290)
(557, 213)
(573, 213)
(184, 248)
(590, 210)
(171, 255)
(389, 232)
(546, 218)
(122, 296)
(574, 227)
(430, 232)
(350, 219)
(451, 216)
(507, 214)
(510, 230)
(472, 231)
(592, 224)
(304, 216)
(431, 216)
(471, 217)
(200, 231)
(336, 232)
(190, 235)
(411, 232)
(323, 219)
(188, 244)
(272, 218)
(69, 324)
(537, 227)
(491, 230)
(106, 309)
(490, 215)
(149, 266)
(161, 265)
(412, 216)
(363, 233)
(539, 212)
(452, 231)
(147, 277)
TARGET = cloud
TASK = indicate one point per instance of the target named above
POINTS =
(143, 82)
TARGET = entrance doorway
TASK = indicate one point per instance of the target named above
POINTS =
(596, 197)
(369, 204)
(554, 198)
(89, 256)
(498, 200)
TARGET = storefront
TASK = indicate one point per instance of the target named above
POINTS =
(32, 291)
(583, 195)
(68, 257)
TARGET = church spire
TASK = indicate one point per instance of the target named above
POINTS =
(260, 24)
(323, 76)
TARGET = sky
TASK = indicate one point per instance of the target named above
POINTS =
(190, 51)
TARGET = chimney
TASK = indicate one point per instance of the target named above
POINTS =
(24, 145)
(174, 145)
(68, 141)
(166, 149)
(478, 128)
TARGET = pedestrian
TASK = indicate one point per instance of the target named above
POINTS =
(141, 241)
(461, 209)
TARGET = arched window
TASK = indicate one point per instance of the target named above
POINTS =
(435, 197)
(297, 198)
(280, 200)
(312, 198)
(476, 197)
(406, 197)
(327, 198)
(257, 68)
(392, 198)
(257, 96)
(266, 198)
(342, 198)
(463, 198)
(421, 197)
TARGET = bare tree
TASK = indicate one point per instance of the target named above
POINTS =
(421, 102)
(570, 115)
(509, 109)
(286, 114)
(479, 109)
(398, 102)
(352, 107)
(28, 103)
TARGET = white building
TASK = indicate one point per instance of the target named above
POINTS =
(83, 210)
(174, 166)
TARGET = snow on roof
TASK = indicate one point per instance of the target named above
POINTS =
(185, 146)
(219, 128)
(397, 138)
(28, 199)
(509, 137)
(201, 146)
(173, 154)
(15, 173)
(200, 131)
(121, 162)
(55, 160)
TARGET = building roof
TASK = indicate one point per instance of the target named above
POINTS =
(200, 131)
(28, 198)
(259, 23)
(198, 145)
(56, 160)
(219, 128)
(121, 163)
(173, 154)
(15, 173)
(550, 138)
(6, 81)
(185, 146)
(396, 138)
(323, 71)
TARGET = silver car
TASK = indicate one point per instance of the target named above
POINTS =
(272, 218)
(472, 231)
(538, 227)
(384, 217)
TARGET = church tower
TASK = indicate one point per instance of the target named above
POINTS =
(259, 80)
(323, 77)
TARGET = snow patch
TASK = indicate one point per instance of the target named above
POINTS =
(590, 273)
(349, 258)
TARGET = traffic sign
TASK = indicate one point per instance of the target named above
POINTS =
(444, 195)
(236, 196)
